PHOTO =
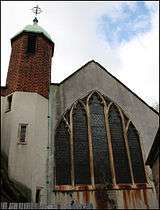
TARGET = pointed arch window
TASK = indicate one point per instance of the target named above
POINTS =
(121, 162)
(136, 154)
(62, 154)
(96, 144)
(102, 172)
(81, 146)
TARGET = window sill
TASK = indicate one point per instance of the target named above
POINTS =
(63, 188)
(8, 110)
(21, 143)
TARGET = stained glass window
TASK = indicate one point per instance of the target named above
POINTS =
(99, 140)
(136, 155)
(62, 155)
(118, 145)
(81, 146)
(99, 137)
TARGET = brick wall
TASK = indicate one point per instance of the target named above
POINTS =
(30, 72)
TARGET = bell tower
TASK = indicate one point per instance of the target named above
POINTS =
(30, 60)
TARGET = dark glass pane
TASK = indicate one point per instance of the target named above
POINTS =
(62, 155)
(23, 133)
(118, 145)
(81, 147)
(136, 155)
(100, 145)
(31, 43)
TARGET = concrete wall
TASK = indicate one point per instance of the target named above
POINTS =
(27, 163)
(109, 199)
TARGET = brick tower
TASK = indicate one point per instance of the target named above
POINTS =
(30, 61)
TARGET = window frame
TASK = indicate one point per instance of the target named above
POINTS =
(26, 134)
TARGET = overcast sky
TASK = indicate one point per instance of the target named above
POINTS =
(122, 36)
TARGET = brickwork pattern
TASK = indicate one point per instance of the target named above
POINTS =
(30, 72)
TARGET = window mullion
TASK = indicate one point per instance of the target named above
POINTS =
(143, 162)
(126, 145)
(90, 145)
(110, 146)
(71, 148)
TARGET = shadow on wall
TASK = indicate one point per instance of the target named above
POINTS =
(12, 191)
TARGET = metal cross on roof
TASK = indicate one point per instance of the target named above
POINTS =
(37, 10)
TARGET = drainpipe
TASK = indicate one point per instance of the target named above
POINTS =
(48, 183)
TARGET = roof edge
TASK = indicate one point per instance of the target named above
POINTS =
(112, 77)
(25, 32)
(74, 72)
(128, 89)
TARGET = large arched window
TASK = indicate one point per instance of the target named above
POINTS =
(96, 143)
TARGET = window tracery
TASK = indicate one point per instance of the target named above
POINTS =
(96, 143)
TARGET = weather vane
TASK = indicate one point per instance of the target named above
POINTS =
(37, 10)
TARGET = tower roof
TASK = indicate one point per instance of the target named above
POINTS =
(35, 28)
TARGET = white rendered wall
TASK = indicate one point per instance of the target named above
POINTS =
(5, 126)
(27, 163)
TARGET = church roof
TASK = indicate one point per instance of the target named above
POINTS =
(35, 28)
(96, 63)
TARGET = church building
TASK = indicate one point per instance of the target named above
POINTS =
(80, 143)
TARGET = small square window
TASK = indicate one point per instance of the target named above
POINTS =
(22, 133)
(9, 103)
